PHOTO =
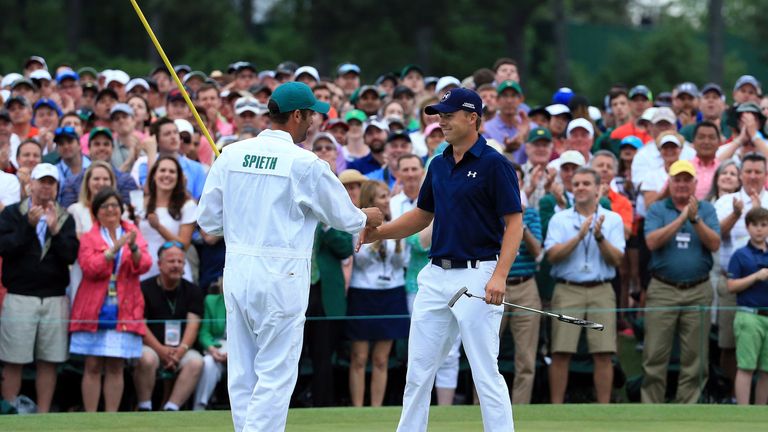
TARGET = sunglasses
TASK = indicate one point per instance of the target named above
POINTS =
(65, 130)
(324, 148)
(169, 244)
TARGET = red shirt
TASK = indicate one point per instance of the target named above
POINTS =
(630, 128)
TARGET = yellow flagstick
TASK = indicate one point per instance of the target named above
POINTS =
(175, 77)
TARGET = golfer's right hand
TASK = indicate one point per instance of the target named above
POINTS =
(374, 217)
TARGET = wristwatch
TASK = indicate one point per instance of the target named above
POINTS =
(695, 220)
(599, 239)
(134, 247)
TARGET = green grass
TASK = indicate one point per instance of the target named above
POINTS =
(563, 418)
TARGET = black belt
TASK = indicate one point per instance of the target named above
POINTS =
(587, 284)
(761, 312)
(518, 280)
(680, 285)
(447, 264)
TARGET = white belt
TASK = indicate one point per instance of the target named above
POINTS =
(268, 252)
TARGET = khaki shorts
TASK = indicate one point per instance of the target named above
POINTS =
(34, 328)
(725, 338)
(190, 355)
(580, 302)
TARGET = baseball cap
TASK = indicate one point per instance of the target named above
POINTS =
(410, 67)
(242, 65)
(121, 108)
(539, 133)
(174, 95)
(572, 157)
(182, 68)
(367, 88)
(50, 103)
(297, 95)
(640, 90)
(395, 120)
(324, 135)
(390, 76)
(331, 123)
(748, 107)
(346, 68)
(87, 70)
(67, 74)
(249, 104)
(352, 176)
(375, 122)
(9, 79)
(286, 68)
(664, 114)
(398, 135)
(594, 113)
(668, 138)
(430, 128)
(445, 82)
(580, 123)
(648, 114)
(562, 96)
(106, 92)
(42, 170)
(747, 79)
(20, 99)
(540, 110)
(309, 70)
(184, 126)
(258, 88)
(24, 81)
(455, 100)
(100, 130)
(631, 140)
(65, 131)
(514, 85)
(40, 74)
(682, 166)
(136, 82)
(402, 90)
(559, 109)
(431, 80)
(35, 59)
(356, 114)
(688, 88)
(195, 74)
(117, 76)
(712, 87)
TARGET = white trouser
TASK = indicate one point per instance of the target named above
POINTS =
(210, 376)
(434, 328)
(448, 372)
(266, 298)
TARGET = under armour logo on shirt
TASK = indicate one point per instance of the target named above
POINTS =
(472, 174)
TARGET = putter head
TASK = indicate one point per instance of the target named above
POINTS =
(456, 296)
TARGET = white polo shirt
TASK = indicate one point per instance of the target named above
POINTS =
(739, 236)
(10, 189)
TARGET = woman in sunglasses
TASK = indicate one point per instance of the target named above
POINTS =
(107, 315)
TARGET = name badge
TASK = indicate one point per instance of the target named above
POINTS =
(683, 240)
(586, 268)
(172, 333)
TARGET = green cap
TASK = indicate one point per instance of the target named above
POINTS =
(296, 95)
(356, 114)
(88, 71)
(408, 68)
(539, 134)
(509, 84)
(100, 130)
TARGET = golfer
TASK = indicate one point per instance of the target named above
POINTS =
(471, 191)
(265, 195)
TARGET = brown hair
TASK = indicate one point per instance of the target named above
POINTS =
(367, 197)
(85, 197)
(179, 194)
(757, 214)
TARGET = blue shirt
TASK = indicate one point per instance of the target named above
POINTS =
(684, 258)
(384, 175)
(193, 171)
(65, 174)
(744, 262)
(469, 200)
(496, 129)
(71, 190)
(525, 263)
(365, 164)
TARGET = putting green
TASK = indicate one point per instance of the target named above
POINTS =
(570, 418)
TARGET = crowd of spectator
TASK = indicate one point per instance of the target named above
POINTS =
(631, 202)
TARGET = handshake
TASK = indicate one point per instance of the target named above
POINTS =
(374, 219)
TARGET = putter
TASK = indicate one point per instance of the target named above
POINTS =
(560, 317)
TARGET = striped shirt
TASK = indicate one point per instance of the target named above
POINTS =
(525, 263)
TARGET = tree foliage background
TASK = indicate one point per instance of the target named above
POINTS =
(585, 44)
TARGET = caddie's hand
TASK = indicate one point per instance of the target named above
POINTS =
(374, 217)
(367, 235)
(494, 290)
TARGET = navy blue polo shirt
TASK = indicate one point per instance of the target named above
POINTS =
(744, 262)
(365, 164)
(469, 200)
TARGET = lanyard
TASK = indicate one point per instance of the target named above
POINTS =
(586, 242)
(112, 290)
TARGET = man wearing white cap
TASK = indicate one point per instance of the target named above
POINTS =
(445, 84)
(579, 137)
(117, 80)
(308, 75)
(37, 244)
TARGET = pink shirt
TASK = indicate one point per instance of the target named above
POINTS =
(704, 176)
